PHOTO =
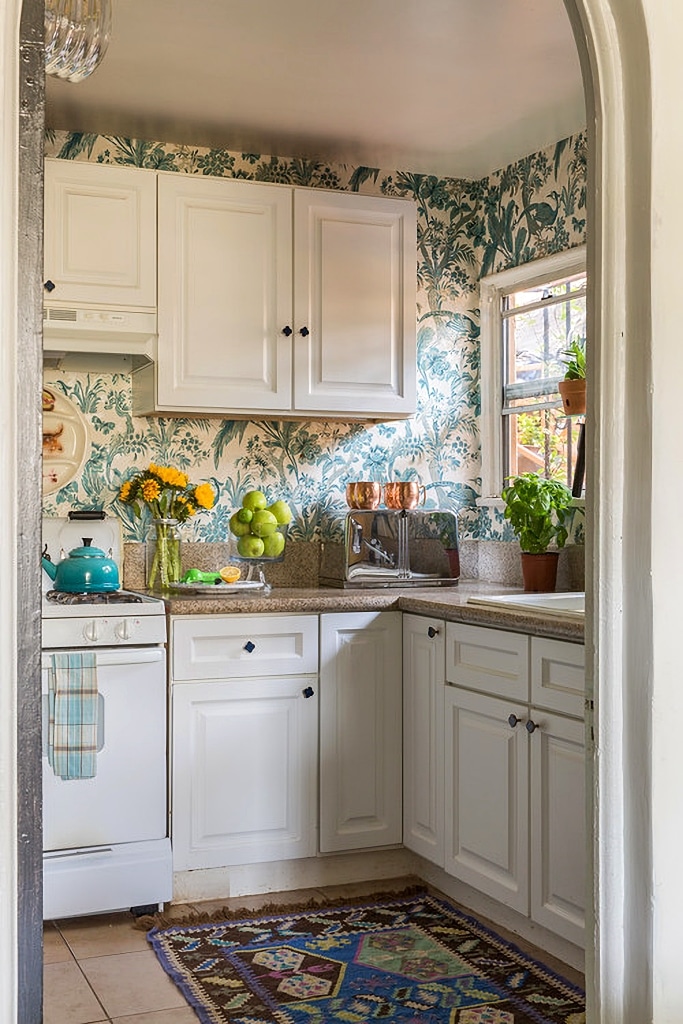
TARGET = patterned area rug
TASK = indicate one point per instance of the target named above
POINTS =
(410, 959)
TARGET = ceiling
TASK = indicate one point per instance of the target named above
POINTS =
(448, 87)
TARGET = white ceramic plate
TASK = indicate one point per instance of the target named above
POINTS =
(207, 589)
(65, 440)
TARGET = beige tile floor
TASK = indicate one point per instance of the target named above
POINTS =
(101, 970)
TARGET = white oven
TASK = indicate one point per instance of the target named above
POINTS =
(105, 837)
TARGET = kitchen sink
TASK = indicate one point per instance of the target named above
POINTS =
(569, 605)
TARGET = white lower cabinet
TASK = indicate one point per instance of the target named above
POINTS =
(506, 734)
(360, 730)
(424, 772)
(245, 736)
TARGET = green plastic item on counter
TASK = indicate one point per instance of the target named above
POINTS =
(197, 576)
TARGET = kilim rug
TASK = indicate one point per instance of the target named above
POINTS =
(411, 959)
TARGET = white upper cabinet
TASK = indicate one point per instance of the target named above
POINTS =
(281, 301)
(354, 303)
(100, 235)
(225, 285)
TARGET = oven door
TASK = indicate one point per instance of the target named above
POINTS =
(125, 801)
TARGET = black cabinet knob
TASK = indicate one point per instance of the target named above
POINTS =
(287, 331)
(304, 332)
(513, 720)
(249, 647)
(49, 286)
(531, 726)
(431, 632)
(308, 691)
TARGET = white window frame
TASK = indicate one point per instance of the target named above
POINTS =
(492, 290)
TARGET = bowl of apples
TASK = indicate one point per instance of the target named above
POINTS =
(259, 529)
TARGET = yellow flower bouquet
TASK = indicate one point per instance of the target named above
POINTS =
(171, 499)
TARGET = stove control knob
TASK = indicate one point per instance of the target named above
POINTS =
(124, 629)
(90, 631)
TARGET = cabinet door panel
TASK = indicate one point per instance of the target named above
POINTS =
(488, 659)
(423, 736)
(224, 294)
(360, 730)
(355, 294)
(487, 796)
(558, 833)
(558, 679)
(100, 234)
(244, 767)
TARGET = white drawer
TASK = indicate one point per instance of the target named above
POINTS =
(488, 660)
(239, 646)
(558, 676)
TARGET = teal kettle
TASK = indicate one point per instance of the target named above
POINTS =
(85, 570)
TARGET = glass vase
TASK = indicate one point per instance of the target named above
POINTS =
(163, 565)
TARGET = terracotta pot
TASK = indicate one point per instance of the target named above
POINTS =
(539, 572)
(573, 395)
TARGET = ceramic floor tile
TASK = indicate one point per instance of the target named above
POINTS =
(128, 983)
(255, 903)
(102, 934)
(68, 998)
(55, 949)
(353, 889)
(183, 1015)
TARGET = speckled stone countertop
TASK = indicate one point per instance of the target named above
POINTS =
(449, 603)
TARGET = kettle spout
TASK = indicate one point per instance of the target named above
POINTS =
(49, 567)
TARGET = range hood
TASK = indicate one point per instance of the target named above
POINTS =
(97, 338)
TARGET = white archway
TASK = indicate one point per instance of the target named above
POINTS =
(632, 59)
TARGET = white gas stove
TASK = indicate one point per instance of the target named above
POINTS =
(105, 836)
(112, 618)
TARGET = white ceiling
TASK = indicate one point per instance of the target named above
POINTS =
(447, 87)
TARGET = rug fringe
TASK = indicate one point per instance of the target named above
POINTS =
(164, 920)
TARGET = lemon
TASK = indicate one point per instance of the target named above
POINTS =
(230, 574)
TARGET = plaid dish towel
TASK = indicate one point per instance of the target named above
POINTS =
(72, 715)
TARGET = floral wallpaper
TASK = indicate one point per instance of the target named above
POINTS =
(466, 229)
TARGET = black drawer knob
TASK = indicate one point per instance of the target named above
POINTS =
(308, 691)
(513, 720)
(431, 632)
(49, 286)
(531, 726)
(249, 647)
(287, 331)
(304, 332)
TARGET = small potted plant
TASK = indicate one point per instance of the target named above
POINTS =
(573, 388)
(538, 510)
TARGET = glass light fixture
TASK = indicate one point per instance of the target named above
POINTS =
(76, 37)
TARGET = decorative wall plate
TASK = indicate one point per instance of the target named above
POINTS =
(65, 440)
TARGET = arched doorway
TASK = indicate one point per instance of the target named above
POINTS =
(638, 817)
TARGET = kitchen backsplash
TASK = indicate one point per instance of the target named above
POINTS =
(530, 209)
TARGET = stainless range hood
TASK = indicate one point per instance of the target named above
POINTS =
(97, 338)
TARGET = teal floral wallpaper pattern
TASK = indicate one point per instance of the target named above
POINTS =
(466, 229)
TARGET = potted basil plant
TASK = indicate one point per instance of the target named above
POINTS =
(573, 388)
(538, 511)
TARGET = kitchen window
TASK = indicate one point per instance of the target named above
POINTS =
(529, 315)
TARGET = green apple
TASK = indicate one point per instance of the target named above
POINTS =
(281, 511)
(244, 515)
(254, 500)
(263, 523)
(250, 546)
(273, 545)
(237, 527)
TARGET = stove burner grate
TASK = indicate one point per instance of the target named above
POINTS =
(104, 597)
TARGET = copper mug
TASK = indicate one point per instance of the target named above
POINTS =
(363, 494)
(404, 494)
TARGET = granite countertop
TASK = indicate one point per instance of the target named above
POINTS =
(449, 603)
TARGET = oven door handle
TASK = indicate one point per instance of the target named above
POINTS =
(117, 656)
